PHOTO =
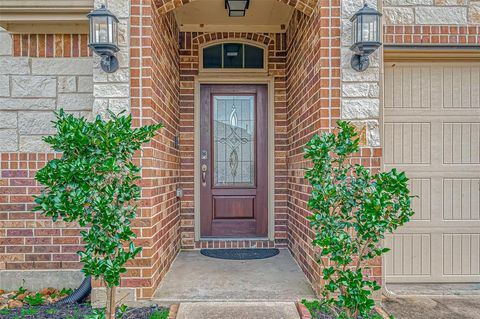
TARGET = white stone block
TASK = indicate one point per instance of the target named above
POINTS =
(346, 36)
(349, 7)
(364, 89)
(122, 75)
(119, 105)
(5, 44)
(111, 90)
(100, 107)
(373, 133)
(11, 65)
(474, 13)
(398, 15)
(34, 86)
(27, 104)
(371, 74)
(4, 85)
(8, 140)
(8, 119)
(85, 84)
(62, 66)
(75, 101)
(441, 15)
(33, 143)
(451, 2)
(394, 3)
(67, 84)
(121, 8)
(360, 109)
(33, 123)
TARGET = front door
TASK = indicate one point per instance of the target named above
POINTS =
(233, 161)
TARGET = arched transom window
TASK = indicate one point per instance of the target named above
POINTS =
(233, 56)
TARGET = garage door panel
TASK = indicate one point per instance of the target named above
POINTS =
(410, 256)
(407, 143)
(408, 87)
(461, 198)
(432, 132)
(421, 189)
(461, 255)
(460, 145)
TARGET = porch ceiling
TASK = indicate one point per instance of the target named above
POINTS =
(211, 16)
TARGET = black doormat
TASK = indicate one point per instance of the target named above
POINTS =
(240, 254)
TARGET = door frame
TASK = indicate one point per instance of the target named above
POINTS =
(245, 78)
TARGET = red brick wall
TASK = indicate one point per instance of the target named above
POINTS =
(27, 239)
(51, 45)
(431, 34)
(155, 98)
(313, 106)
(189, 64)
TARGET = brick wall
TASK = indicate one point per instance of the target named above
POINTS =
(155, 99)
(51, 45)
(319, 91)
(189, 68)
(27, 239)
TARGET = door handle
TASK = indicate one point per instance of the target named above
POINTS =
(204, 174)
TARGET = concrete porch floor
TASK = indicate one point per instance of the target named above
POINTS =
(196, 278)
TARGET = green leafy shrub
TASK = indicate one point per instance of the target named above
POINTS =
(34, 300)
(94, 184)
(352, 209)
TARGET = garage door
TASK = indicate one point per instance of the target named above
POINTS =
(432, 132)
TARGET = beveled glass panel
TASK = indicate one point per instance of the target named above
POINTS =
(100, 30)
(234, 140)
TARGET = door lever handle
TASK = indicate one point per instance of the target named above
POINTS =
(204, 174)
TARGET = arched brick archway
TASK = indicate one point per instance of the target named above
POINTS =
(305, 6)
(215, 36)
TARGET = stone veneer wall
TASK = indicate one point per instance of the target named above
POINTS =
(189, 68)
(432, 22)
(321, 88)
(32, 87)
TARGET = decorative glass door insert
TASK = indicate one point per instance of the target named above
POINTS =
(233, 140)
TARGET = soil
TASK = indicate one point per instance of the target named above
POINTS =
(70, 311)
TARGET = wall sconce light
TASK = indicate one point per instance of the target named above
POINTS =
(104, 37)
(365, 36)
(236, 8)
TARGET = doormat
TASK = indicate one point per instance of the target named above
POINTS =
(240, 254)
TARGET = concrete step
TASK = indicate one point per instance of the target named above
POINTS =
(237, 310)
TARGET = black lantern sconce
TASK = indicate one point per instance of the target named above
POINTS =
(236, 8)
(104, 37)
(365, 36)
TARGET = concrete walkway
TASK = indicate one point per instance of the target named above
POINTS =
(433, 301)
(237, 310)
(424, 307)
(196, 278)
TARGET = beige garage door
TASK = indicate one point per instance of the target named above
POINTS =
(432, 132)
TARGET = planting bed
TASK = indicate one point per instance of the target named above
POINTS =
(23, 304)
(77, 311)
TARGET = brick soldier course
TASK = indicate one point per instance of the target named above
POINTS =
(313, 86)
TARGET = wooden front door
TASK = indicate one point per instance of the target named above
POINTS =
(233, 161)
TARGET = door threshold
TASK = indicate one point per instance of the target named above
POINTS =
(234, 238)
